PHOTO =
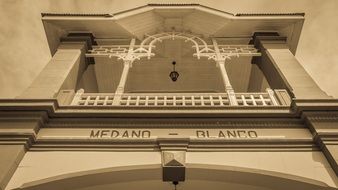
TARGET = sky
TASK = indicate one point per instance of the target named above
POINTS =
(24, 50)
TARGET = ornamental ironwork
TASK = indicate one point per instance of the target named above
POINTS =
(134, 51)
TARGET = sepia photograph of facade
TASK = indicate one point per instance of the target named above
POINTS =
(166, 95)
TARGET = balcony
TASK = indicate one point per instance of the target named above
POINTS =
(124, 78)
(176, 100)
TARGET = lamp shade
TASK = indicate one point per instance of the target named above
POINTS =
(173, 75)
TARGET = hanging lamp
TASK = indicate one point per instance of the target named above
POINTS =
(174, 74)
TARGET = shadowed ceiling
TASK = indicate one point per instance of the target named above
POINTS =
(152, 75)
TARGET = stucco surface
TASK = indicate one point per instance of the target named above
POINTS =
(37, 165)
(24, 49)
(312, 165)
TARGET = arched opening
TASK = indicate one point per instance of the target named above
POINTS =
(198, 178)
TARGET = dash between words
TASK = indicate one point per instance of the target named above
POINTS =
(144, 134)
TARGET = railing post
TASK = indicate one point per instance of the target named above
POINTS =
(228, 88)
(272, 97)
(232, 97)
(65, 97)
(77, 97)
(126, 66)
(120, 88)
(117, 99)
(283, 96)
(221, 65)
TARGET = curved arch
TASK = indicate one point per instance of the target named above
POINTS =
(146, 46)
(167, 35)
(226, 174)
(197, 41)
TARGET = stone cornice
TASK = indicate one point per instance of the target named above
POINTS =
(172, 122)
(48, 114)
(300, 105)
(24, 115)
(287, 123)
(321, 116)
(182, 144)
(323, 125)
(26, 139)
(327, 137)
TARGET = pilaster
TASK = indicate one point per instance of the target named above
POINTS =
(282, 69)
(63, 71)
(10, 158)
(18, 131)
(324, 127)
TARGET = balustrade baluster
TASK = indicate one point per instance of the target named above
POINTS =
(104, 100)
(244, 100)
(137, 100)
(96, 100)
(220, 101)
(262, 99)
(147, 99)
(211, 100)
(253, 100)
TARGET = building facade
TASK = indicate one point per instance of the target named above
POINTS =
(169, 96)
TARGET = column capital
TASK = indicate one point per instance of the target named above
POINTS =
(220, 62)
(86, 37)
(128, 62)
(269, 40)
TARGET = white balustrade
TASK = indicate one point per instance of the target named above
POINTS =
(177, 99)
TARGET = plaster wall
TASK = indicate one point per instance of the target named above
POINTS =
(312, 165)
(40, 165)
